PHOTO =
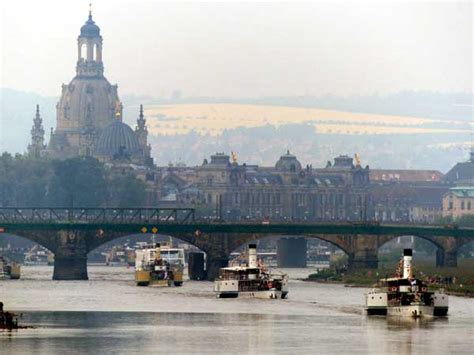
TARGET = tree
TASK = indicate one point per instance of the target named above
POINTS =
(126, 191)
(23, 181)
(77, 182)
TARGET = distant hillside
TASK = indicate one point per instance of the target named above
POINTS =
(405, 130)
(214, 118)
(17, 110)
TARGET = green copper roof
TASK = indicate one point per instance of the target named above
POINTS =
(463, 191)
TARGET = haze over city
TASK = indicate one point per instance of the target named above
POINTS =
(246, 49)
(236, 177)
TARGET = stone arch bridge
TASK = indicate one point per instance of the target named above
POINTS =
(72, 233)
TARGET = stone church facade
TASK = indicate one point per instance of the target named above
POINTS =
(89, 113)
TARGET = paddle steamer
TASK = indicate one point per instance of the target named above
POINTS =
(405, 295)
(252, 280)
(153, 269)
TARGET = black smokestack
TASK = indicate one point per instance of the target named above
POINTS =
(407, 252)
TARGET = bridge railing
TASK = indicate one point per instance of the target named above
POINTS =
(97, 215)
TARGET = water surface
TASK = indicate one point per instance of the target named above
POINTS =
(109, 314)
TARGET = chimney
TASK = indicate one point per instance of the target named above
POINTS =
(157, 251)
(407, 256)
(253, 255)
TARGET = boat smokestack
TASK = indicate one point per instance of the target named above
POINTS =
(253, 255)
(407, 256)
(157, 251)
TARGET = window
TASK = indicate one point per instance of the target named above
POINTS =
(95, 54)
(450, 207)
(468, 205)
(462, 205)
(83, 52)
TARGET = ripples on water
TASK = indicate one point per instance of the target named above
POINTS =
(109, 314)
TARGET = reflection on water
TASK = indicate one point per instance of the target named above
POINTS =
(110, 314)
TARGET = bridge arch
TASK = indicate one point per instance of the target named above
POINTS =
(186, 238)
(423, 237)
(466, 248)
(291, 249)
(323, 238)
(34, 237)
(335, 240)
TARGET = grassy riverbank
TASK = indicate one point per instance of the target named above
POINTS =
(458, 281)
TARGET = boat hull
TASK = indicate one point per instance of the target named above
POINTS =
(12, 272)
(268, 294)
(145, 278)
(413, 311)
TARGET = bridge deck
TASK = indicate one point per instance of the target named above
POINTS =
(283, 229)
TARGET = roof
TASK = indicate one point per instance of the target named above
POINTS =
(90, 29)
(462, 191)
(118, 139)
(326, 180)
(288, 162)
(392, 175)
(461, 172)
(343, 161)
(263, 179)
(429, 196)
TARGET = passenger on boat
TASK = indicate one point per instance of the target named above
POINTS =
(7, 319)
(2, 314)
(9, 323)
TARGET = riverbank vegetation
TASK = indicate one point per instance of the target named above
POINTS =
(457, 280)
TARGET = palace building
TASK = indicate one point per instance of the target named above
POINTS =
(288, 191)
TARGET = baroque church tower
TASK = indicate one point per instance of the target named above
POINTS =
(141, 132)
(37, 146)
(88, 104)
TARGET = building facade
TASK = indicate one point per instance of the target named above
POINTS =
(221, 188)
(459, 202)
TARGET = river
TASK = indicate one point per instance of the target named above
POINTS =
(109, 314)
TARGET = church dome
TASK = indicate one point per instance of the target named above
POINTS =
(90, 29)
(118, 140)
(288, 162)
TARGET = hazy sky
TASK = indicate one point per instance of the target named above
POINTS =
(244, 49)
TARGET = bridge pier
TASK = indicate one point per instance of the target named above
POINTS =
(450, 258)
(70, 268)
(364, 259)
(70, 257)
(291, 252)
(447, 252)
(213, 264)
(439, 257)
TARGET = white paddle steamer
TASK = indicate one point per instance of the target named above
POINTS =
(406, 296)
(251, 281)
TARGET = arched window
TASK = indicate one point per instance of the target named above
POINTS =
(83, 52)
(96, 52)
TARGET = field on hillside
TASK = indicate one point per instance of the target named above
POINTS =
(213, 119)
